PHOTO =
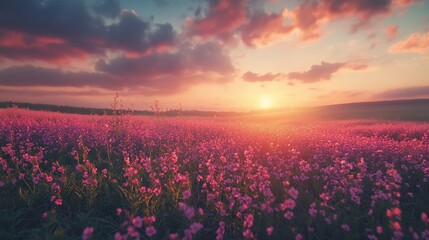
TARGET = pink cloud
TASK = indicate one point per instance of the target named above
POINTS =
(316, 73)
(391, 31)
(225, 20)
(320, 72)
(157, 73)
(264, 28)
(414, 43)
(19, 46)
(404, 3)
(223, 17)
(308, 18)
(53, 93)
(323, 71)
(254, 77)
(311, 15)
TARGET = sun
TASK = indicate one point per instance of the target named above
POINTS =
(265, 102)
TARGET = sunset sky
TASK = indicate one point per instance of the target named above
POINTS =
(228, 55)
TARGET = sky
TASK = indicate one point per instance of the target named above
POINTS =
(217, 55)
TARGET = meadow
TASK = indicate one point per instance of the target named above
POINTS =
(65, 176)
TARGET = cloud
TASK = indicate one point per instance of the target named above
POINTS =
(316, 73)
(135, 35)
(203, 63)
(222, 18)
(147, 56)
(391, 31)
(414, 43)
(205, 58)
(107, 8)
(402, 93)
(323, 71)
(52, 93)
(31, 76)
(227, 20)
(405, 3)
(310, 16)
(158, 73)
(263, 28)
(73, 31)
(340, 95)
(253, 77)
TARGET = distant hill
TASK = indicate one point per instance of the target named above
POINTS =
(404, 110)
(106, 111)
(401, 110)
(407, 110)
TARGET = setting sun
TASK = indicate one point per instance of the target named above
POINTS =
(265, 102)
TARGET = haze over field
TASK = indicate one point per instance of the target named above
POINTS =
(213, 55)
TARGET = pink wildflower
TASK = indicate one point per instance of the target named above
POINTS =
(220, 231)
(290, 204)
(118, 211)
(173, 236)
(87, 233)
(424, 217)
(247, 234)
(150, 231)
(293, 193)
(137, 222)
(195, 227)
(269, 230)
(186, 194)
(395, 226)
(59, 202)
(345, 227)
(248, 222)
(288, 215)
(118, 236)
(149, 220)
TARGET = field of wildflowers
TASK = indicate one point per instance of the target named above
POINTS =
(127, 177)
